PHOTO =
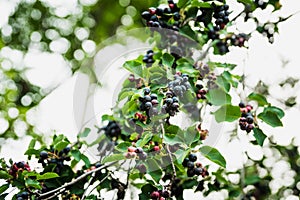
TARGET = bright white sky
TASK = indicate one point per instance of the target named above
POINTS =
(63, 110)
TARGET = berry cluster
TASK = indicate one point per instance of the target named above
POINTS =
(133, 152)
(201, 92)
(194, 168)
(221, 15)
(148, 103)
(112, 129)
(54, 157)
(138, 81)
(148, 58)
(160, 194)
(140, 117)
(18, 166)
(158, 17)
(239, 40)
(247, 119)
(22, 196)
(171, 104)
(180, 85)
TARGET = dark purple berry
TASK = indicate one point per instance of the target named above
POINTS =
(193, 157)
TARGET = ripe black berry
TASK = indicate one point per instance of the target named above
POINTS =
(198, 171)
(185, 161)
(44, 154)
(190, 172)
(147, 91)
(190, 164)
(193, 157)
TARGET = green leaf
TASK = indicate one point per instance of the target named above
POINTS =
(146, 191)
(31, 152)
(168, 60)
(129, 107)
(182, 3)
(227, 113)
(153, 169)
(76, 154)
(261, 100)
(47, 175)
(180, 155)
(199, 4)
(259, 136)
(218, 97)
(61, 145)
(86, 160)
(3, 188)
(85, 133)
(113, 158)
(122, 147)
(278, 111)
(222, 65)
(191, 135)
(33, 183)
(223, 83)
(270, 118)
(144, 140)
(172, 139)
(188, 31)
(32, 144)
(250, 180)
(4, 175)
(134, 67)
(214, 155)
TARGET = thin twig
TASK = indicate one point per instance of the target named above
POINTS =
(42, 196)
(87, 194)
(169, 152)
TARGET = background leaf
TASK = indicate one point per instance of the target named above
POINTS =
(214, 155)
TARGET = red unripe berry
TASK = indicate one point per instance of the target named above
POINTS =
(244, 110)
(152, 10)
(131, 149)
(156, 148)
(249, 108)
(171, 5)
(154, 195)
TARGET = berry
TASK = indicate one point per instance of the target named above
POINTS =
(147, 91)
(198, 171)
(67, 150)
(190, 172)
(148, 105)
(143, 156)
(185, 161)
(165, 194)
(146, 15)
(250, 119)
(142, 168)
(154, 102)
(139, 150)
(154, 195)
(153, 96)
(190, 164)
(43, 154)
(147, 98)
(193, 157)
(249, 128)
(131, 149)
(156, 148)
(242, 105)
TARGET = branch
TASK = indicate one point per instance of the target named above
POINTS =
(43, 195)
(85, 194)
(169, 152)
